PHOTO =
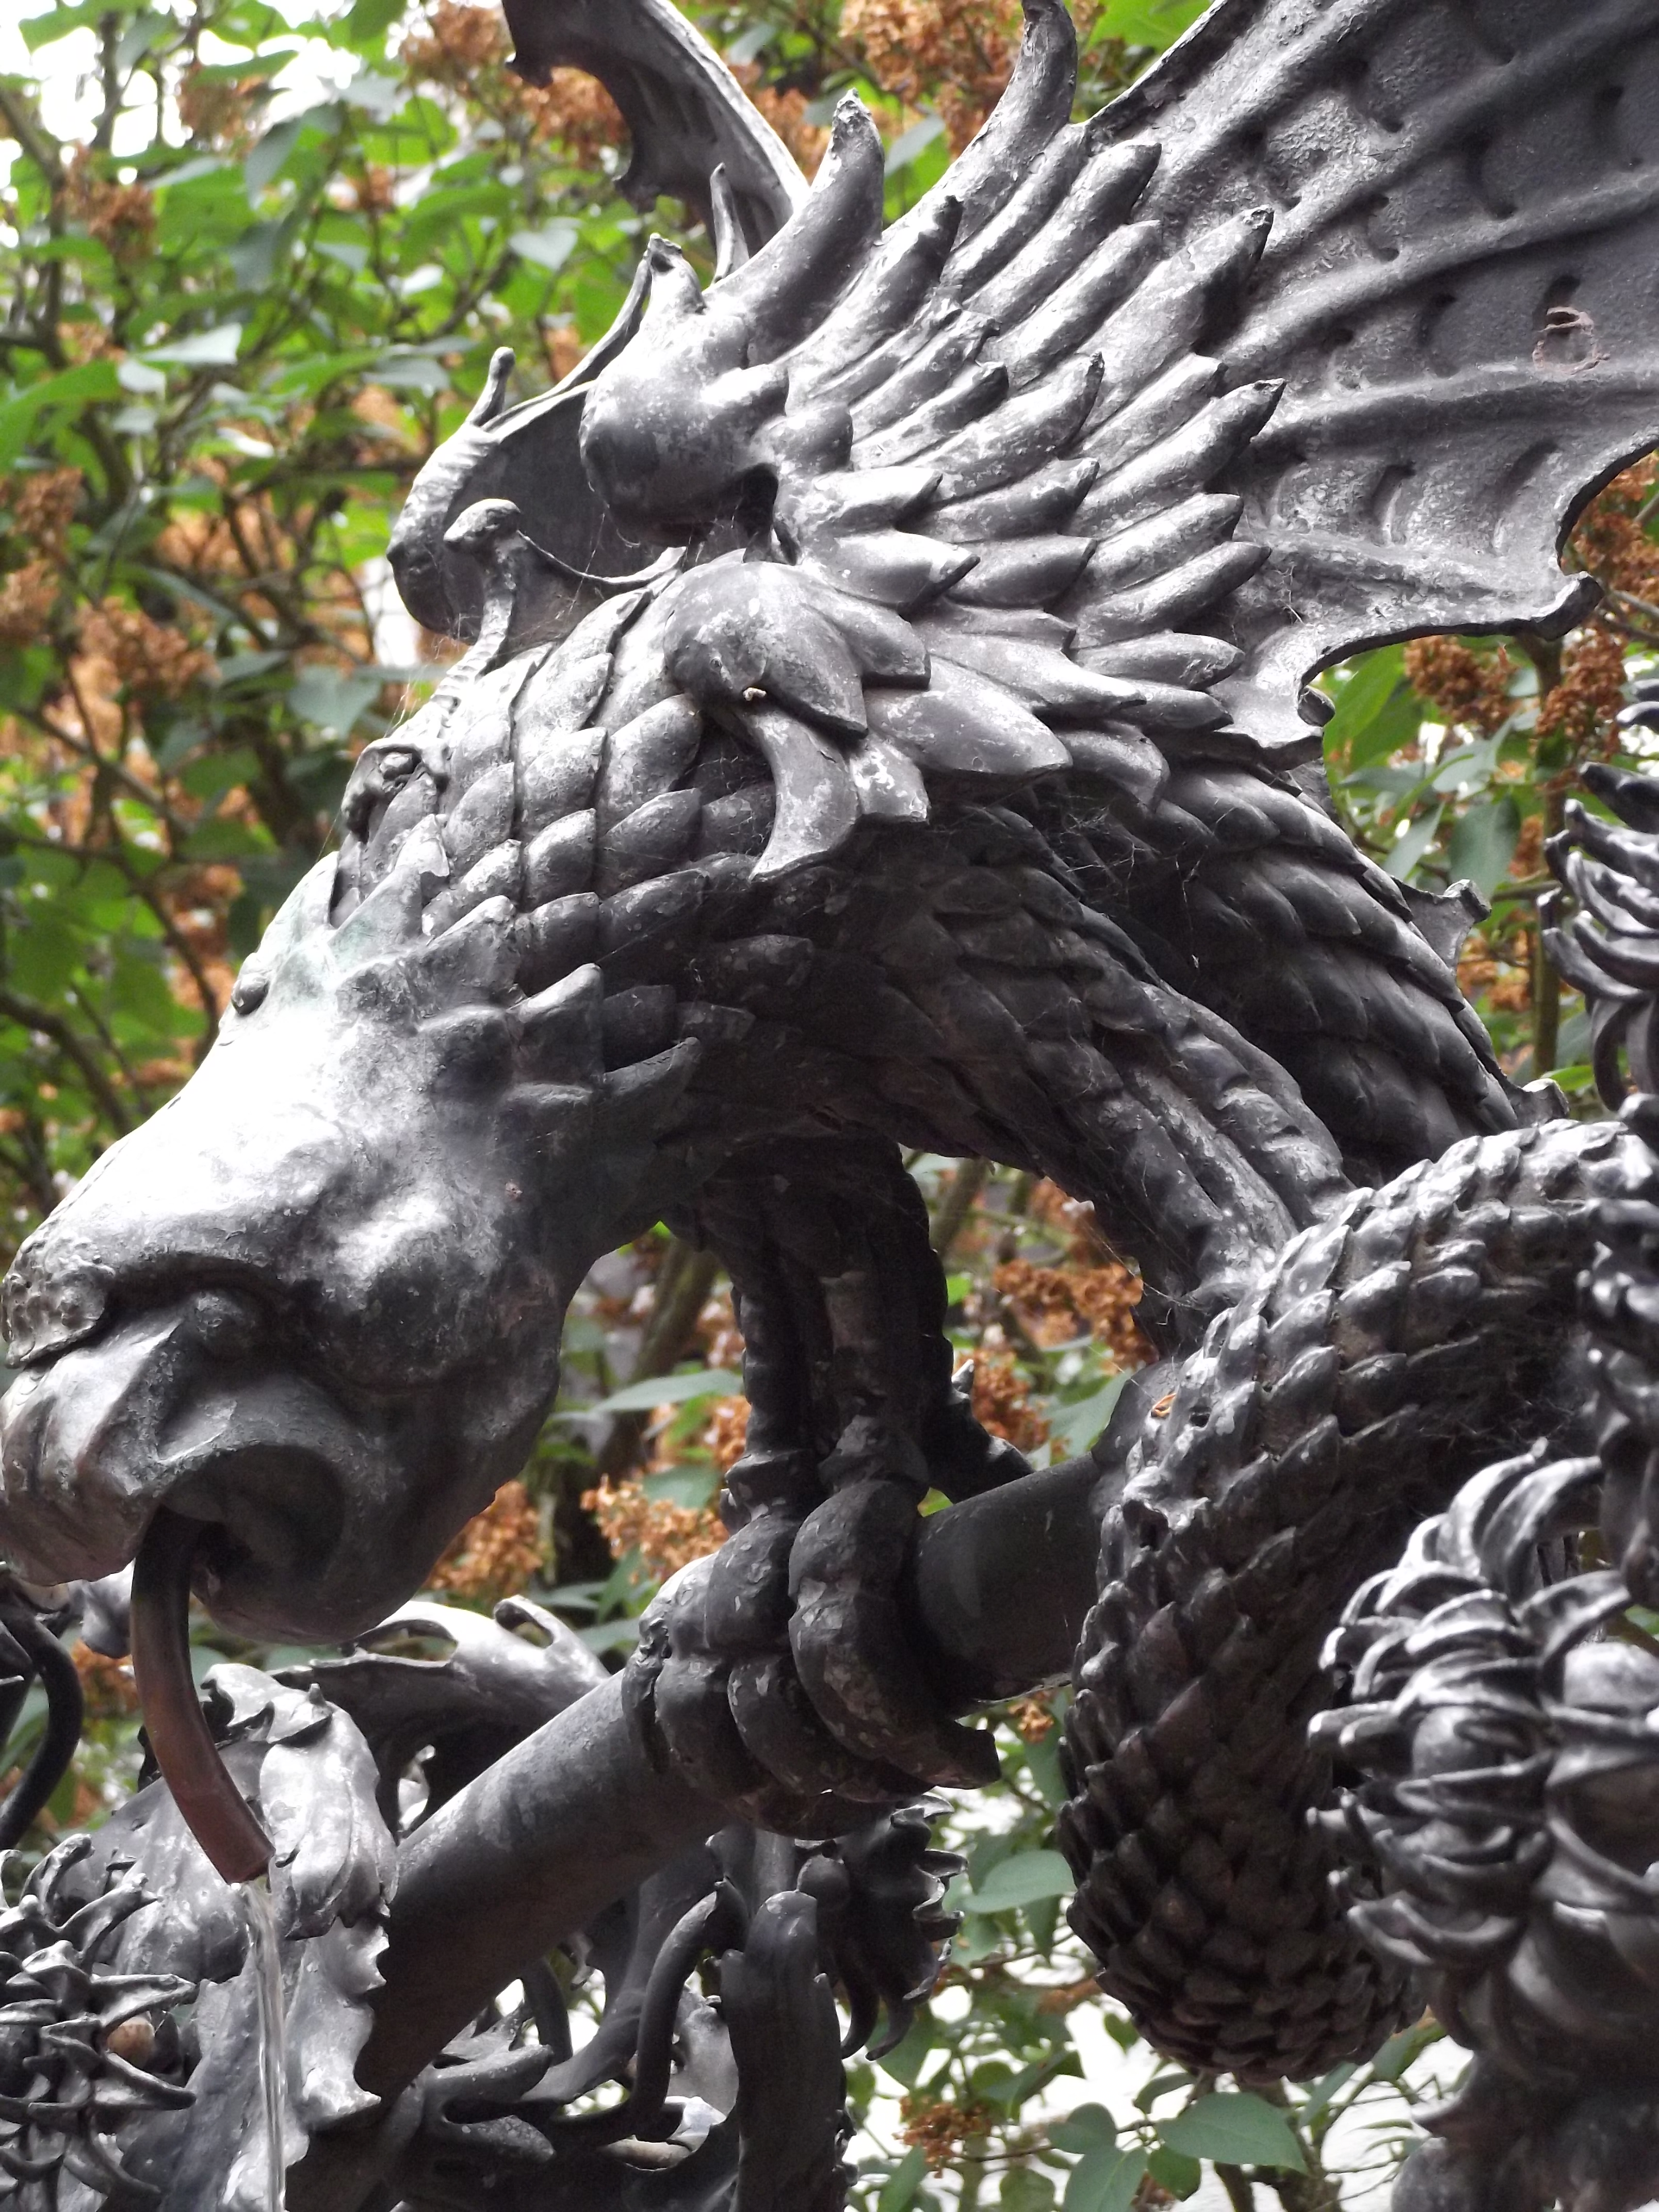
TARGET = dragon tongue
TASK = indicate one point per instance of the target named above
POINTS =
(217, 1814)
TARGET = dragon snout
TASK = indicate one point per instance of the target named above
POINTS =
(191, 1406)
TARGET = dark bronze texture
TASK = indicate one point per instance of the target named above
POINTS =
(883, 725)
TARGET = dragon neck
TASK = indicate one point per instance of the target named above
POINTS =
(990, 1011)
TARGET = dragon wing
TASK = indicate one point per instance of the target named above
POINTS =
(1315, 338)
(686, 113)
(694, 134)
(1318, 336)
(1457, 290)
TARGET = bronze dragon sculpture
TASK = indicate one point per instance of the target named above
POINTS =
(883, 724)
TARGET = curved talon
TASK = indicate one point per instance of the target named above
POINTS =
(801, 1721)
(779, 1728)
(849, 1643)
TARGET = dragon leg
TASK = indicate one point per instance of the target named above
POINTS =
(777, 1675)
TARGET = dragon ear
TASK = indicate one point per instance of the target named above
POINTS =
(530, 454)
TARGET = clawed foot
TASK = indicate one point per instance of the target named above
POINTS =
(776, 1675)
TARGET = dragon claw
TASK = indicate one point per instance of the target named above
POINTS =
(776, 1677)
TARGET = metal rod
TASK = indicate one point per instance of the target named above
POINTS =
(575, 1816)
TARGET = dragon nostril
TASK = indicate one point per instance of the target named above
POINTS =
(48, 1309)
(228, 1324)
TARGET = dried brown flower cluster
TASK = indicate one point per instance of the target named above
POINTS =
(42, 505)
(1499, 973)
(151, 659)
(456, 41)
(936, 2125)
(465, 48)
(119, 216)
(1470, 688)
(1583, 705)
(28, 596)
(1528, 859)
(217, 111)
(373, 190)
(496, 1554)
(1033, 1717)
(786, 111)
(1002, 1402)
(577, 112)
(726, 1432)
(1610, 540)
(1056, 1305)
(955, 53)
(106, 1684)
(666, 1536)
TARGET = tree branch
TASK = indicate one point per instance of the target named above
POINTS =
(46, 1023)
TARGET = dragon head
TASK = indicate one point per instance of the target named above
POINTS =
(315, 1304)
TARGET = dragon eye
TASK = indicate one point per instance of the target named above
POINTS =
(248, 992)
(397, 764)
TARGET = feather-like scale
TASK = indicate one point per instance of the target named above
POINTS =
(1097, 203)
(930, 372)
(972, 395)
(1167, 472)
(1063, 322)
(1039, 502)
(977, 260)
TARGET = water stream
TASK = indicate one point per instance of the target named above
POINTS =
(268, 1971)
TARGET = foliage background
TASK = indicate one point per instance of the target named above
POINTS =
(252, 264)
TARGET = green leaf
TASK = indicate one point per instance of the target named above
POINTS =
(1173, 2171)
(138, 376)
(549, 248)
(1105, 2181)
(1398, 2052)
(899, 2191)
(1021, 1880)
(689, 1486)
(611, 1635)
(1376, 711)
(1042, 1919)
(333, 698)
(1025, 2189)
(1317, 2101)
(1237, 2129)
(58, 22)
(656, 1390)
(265, 164)
(1019, 2087)
(906, 2060)
(1406, 852)
(1090, 2127)
(1076, 1427)
(916, 140)
(214, 348)
(1482, 844)
(92, 379)
(1155, 23)
(412, 372)
(372, 19)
